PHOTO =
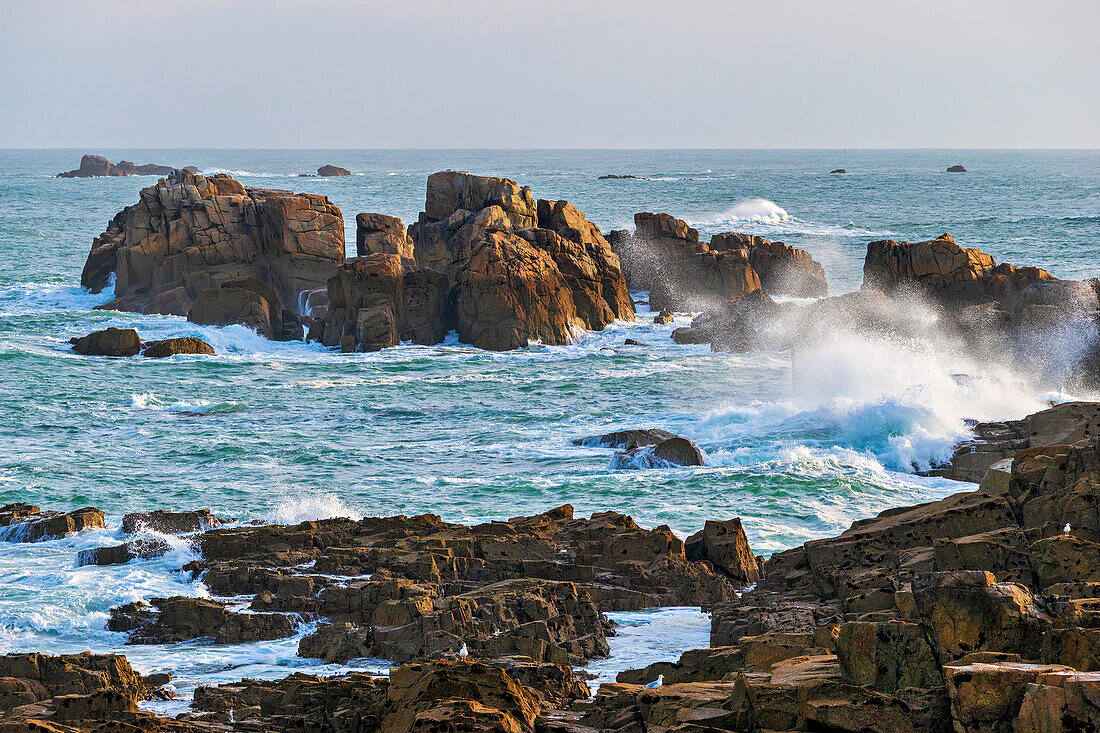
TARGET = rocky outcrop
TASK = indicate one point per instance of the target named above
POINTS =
(675, 451)
(956, 169)
(169, 620)
(997, 443)
(167, 522)
(108, 342)
(190, 233)
(174, 346)
(28, 523)
(737, 324)
(95, 166)
(666, 256)
(944, 271)
(489, 262)
(332, 170)
(381, 234)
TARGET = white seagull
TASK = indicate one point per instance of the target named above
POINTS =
(1065, 529)
(464, 651)
(656, 683)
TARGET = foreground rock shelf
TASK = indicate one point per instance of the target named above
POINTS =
(977, 613)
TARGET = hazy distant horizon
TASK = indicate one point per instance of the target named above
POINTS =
(496, 75)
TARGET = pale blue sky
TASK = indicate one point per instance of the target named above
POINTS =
(597, 73)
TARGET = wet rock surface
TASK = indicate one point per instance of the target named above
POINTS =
(28, 523)
(973, 613)
(109, 342)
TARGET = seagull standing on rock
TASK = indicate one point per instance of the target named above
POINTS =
(1065, 530)
(464, 651)
(656, 683)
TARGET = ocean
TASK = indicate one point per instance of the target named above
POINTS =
(284, 432)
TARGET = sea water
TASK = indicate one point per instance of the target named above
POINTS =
(285, 432)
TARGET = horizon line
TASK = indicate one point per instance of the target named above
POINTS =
(562, 149)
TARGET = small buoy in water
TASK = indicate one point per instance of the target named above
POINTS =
(656, 683)
(464, 651)
(1065, 530)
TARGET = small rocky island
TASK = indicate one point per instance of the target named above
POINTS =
(96, 166)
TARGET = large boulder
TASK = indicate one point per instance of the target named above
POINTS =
(381, 234)
(332, 170)
(190, 233)
(109, 342)
(174, 346)
(725, 545)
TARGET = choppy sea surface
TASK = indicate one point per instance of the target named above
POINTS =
(288, 432)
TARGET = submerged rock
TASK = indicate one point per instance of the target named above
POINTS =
(109, 342)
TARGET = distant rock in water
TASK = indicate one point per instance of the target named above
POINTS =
(332, 170)
(190, 233)
(675, 451)
(956, 169)
(616, 177)
(171, 347)
(838, 170)
(625, 438)
(109, 342)
(96, 166)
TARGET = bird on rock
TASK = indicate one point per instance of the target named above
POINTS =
(464, 651)
(1065, 530)
(656, 683)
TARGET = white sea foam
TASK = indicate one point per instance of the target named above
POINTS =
(292, 508)
(767, 218)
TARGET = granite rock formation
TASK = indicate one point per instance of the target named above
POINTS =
(190, 233)
(96, 166)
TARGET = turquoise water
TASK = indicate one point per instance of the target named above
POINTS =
(287, 432)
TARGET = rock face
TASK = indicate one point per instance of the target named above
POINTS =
(169, 620)
(944, 271)
(95, 166)
(174, 346)
(996, 443)
(332, 170)
(28, 523)
(109, 342)
(250, 302)
(190, 233)
(489, 262)
(666, 257)
(381, 234)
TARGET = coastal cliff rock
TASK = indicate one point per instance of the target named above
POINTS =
(666, 256)
(96, 166)
(484, 259)
(191, 233)
(250, 302)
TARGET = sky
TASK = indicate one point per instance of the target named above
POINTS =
(549, 74)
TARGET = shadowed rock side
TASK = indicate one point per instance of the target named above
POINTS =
(665, 256)
(190, 233)
(487, 260)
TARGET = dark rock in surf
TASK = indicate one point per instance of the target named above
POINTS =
(28, 523)
(617, 177)
(663, 317)
(674, 451)
(332, 170)
(109, 342)
(838, 170)
(174, 346)
(167, 522)
(625, 438)
(956, 169)
(143, 549)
